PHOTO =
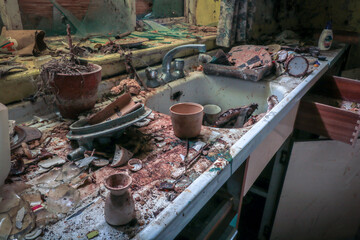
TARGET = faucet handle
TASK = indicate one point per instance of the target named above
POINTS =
(152, 77)
(179, 68)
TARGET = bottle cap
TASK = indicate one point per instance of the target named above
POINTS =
(329, 25)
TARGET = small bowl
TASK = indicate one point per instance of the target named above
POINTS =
(211, 112)
(135, 164)
(186, 119)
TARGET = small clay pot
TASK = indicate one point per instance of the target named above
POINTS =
(119, 204)
(187, 119)
(76, 93)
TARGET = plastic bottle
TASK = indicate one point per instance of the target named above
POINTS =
(326, 37)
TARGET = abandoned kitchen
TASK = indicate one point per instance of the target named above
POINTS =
(180, 119)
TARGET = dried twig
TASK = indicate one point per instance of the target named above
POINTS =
(71, 47)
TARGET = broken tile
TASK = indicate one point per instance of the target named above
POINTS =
(62, 199)
(68, 172)
(52, 162)
(19, 218)
(121, 156)
(5, 226)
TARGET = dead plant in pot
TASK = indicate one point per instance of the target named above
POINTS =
(74, 83)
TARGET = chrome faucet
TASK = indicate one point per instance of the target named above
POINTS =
(166, 75)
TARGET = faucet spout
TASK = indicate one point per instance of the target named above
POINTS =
(166, 64)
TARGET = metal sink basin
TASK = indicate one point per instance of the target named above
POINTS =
(223, 91)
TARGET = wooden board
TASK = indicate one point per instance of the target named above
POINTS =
(335, 123)
(339, 87)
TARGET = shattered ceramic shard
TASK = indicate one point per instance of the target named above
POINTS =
(19, 217)
(177, 172)
(34, 234)
(100, 162)
(23, 220)
(135, 164)
(47, 180)
(5, 226)
(33, 198)
(44, 217)
(198, 145)
(85, 162)
(62, 199)
(49, 163)
(68, 172)
(159, 139)
(121, 156)
(160, 144)
(79, 180)
(8, 199)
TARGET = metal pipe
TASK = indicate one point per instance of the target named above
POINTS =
(76, 154)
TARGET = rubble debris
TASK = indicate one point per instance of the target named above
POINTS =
(234, 113)
(122, 106)
(85, 162)
(17, 167)
(166, 186)
(33, 198)
(222, 58)
(47, 180)
(100, 162)
(34, 234)
(5, 225)
(68, 172)
(272, 101)
(121, 156)
(249, 56)
(248, 62)
(24, 134)
(19, 218)
(62, 199)
(128, 85)
(79, 180)
(15, 214)
(52, 162)
(92, 234)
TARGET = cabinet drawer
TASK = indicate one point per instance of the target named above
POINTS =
(325, 110)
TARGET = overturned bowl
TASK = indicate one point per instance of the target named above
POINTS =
(187, 119)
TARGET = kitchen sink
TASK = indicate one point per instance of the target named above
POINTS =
(207, 89)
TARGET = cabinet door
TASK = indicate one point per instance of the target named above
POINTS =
(321, 192)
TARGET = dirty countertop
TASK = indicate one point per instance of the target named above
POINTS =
(67, 202)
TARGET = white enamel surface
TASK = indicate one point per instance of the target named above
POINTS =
(235, 92)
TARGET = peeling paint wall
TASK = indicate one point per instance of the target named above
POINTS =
(274, 16)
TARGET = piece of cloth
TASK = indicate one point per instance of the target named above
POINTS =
(23, 42)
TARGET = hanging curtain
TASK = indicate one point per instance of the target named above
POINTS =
(232, 26)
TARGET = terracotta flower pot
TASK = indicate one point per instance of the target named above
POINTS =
(76, 93)
(119, 204)
(187, 119)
